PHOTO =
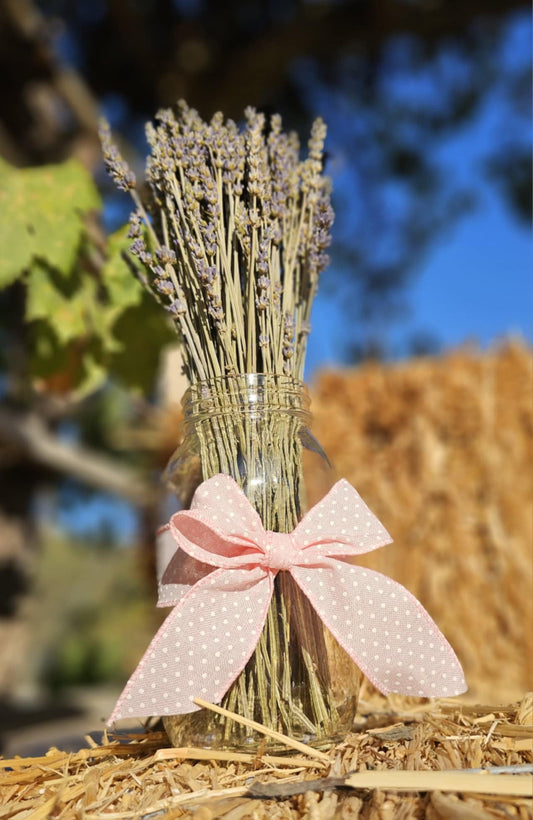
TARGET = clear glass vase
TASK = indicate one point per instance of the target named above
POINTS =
(299, 681)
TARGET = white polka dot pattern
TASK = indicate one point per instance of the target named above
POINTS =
(220, 580)
(340, 524)
(383, 628)
(201, 647)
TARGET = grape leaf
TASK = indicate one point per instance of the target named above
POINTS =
(123, 289)
(65, 369)
(68, 314)
(144, 330)
(42, 216)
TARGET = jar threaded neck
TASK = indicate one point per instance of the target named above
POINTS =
(248, 393)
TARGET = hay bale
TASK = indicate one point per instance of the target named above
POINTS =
(441, 450)
(139, 778)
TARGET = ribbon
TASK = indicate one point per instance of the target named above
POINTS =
(220, 581)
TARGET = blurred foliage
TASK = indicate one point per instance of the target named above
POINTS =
(42, 220)
(90, 316)
(92, 614)
(394, 81)
(513, 172)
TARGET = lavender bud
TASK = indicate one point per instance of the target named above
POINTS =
(135, 225)
(137, 247)
(116, 166)
(164, 286)
(288, 326)
(178, 307)
(165, 255)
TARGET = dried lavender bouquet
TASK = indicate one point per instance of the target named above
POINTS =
(236, 229)
(231, 234)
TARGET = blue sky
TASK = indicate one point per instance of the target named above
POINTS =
(475, 283)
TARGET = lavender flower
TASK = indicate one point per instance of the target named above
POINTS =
(232, 234)
(135, 228)
(138, 248)
(117, 168)
(178, 307)
(166, 256)
(321, 234)
(164, 286)
(288, 342)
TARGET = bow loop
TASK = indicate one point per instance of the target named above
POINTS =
(224, 505)
(211, 543)
(340, 524)
(182, 571)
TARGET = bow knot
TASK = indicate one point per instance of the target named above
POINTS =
(220, 580)
(281, 550)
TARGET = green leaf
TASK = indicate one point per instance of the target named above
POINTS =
(69, 315)
(42, 216)
(144, 330)
(72, 368)
(123, 289)
(102, 319)
(94, 374)
(87, 330)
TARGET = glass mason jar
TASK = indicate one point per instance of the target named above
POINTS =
(299, 681)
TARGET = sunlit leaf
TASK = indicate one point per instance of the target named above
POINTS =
(69, 315)
(42, 216)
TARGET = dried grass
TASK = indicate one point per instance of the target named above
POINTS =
(138, 777)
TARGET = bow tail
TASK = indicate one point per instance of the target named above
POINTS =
(383, 628)
(201, 647)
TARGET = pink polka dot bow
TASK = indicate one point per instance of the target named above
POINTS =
(220, 581)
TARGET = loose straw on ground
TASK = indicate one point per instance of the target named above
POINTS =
(128, 779)
(476, 783)
(258, 727)
(192, 753)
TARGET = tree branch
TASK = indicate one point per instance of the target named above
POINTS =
(254, 68)
(27, 434)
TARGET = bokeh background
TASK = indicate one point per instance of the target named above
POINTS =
(420, 355)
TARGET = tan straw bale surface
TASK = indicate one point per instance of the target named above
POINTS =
(441, 449)
(140, 778)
